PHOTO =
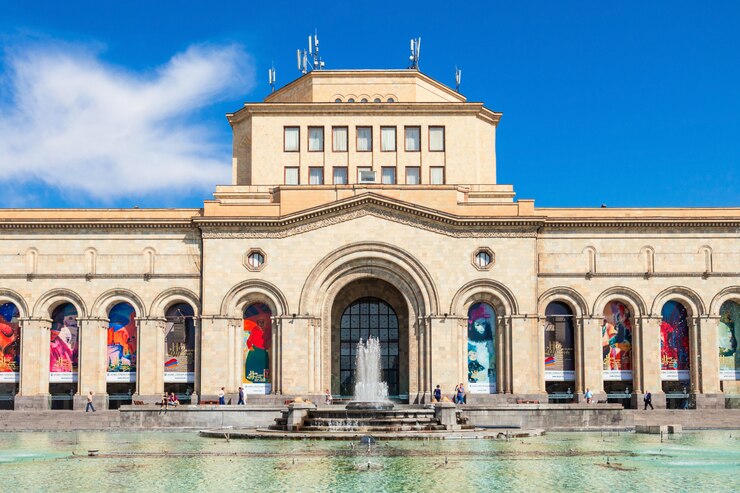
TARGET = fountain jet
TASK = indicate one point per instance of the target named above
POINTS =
(370, 391)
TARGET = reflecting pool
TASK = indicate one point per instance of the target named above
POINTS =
(182, 461)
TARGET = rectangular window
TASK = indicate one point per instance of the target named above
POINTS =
(339, 138)
(413, 139)
(364, 174)
(364, 139)
(412, 175)
(437, 175)
(292, 139)
(340, 175)
(388, 175)
(388, 139)
(315, 139)
(436, 139)
(291, 176)
(316, 176)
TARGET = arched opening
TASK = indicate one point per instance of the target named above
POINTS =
(364, 308)
(616, 342)
(481, 349)
(362, 319)
(63, 355)
(560, 365)
(675, 354)
(121, 354)
(729, 356)
(10, 354)
(179, 346)
(256, 349)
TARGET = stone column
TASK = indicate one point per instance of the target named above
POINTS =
(446, 355)
(578, 359)
(150, 359)
(648, 362)
(707, 364)
(278, 357)
(590, 358)
(502, 353)
(196, 361)
(33, 390)
(540, 333)
(295, 349)
(92, 362)
(214, 356)
(523, 363)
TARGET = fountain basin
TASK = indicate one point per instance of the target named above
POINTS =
(370, 406)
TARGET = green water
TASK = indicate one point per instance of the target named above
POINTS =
(695, 461)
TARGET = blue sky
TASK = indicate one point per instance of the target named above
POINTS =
(116, 104)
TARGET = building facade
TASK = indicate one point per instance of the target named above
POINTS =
(365, 204)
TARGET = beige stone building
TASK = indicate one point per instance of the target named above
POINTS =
(365, 203)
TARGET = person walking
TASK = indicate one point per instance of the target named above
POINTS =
(89, 402)
(648, 399)
(588, 395)
(221, 397)
(240, 402)
(461, 394)
(438, 394)
(457, 391)
(328, 399)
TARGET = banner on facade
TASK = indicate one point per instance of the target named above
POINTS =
(9, 377)
(482, 388)
(560, 375)
(616, 375)
(122, 344)
(728, 335)
(63, 344)
(10, 339)
(179, 377)
(63, 377)
(120, 377)
(481, 349)
(256, 337)
(674, 375)
(179, 342)
(257, 388)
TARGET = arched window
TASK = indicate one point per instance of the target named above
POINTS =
(64, 341)
(616, 342)
(179, 344)
(122, 344)
(559, 349)
(729, 333)
(10, 342)
(674, 342)
(257, 338)
(481, 349)
(362, 319)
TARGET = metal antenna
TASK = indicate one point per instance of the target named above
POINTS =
(458, 78)
(271, 77)
(415, 53)
(306, 64)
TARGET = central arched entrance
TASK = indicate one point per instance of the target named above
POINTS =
(370, 308)
(362, 319)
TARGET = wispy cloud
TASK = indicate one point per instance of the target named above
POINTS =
(82, 126)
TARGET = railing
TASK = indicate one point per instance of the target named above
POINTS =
(556, 397)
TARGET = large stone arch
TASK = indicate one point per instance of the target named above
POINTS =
(169, 297)
(726, 294)
(55, 297)
(564, 294)
(369, 259)
(108, 299)
(10, 296)
(253, 291)
(620, 293)
(485, 290)
(686, 296)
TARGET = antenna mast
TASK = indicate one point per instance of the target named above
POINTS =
(271, 77)
(310, 59)
(458, 78)
(415, 53)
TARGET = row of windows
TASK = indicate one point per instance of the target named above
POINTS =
(365, 100)
(387, 175)
(364, 139)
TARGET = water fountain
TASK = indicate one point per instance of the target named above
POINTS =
(370, 391)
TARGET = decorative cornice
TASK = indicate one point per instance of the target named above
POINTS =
(652, 223)
(45, 224)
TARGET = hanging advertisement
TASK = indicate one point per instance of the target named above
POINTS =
(674, 342)
(481, 349)
(122, 338)
(10, 343)
(729, 332)
(63, 344)
(179, 344)
(616, 342)
(256, 339)
(559, 354)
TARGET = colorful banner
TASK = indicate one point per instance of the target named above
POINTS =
(256, 349)
(616, 342)
(729, 332)
(481, 349)
(122, 338)
(559, 353)
(674, 342)
(10, 343)
(64, 343)
(179, 343)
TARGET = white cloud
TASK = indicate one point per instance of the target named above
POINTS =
(84, 127)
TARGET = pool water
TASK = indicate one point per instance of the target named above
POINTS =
(183, 461)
